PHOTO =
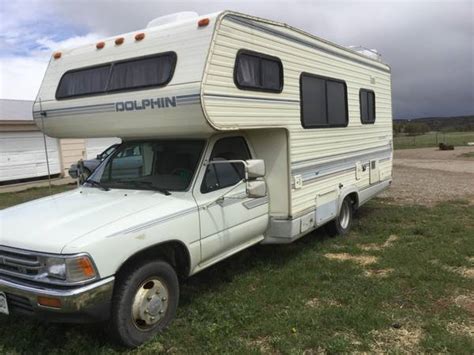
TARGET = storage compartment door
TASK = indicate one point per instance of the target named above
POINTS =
(374, 172)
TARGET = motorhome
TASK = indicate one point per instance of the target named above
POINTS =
(235, 130)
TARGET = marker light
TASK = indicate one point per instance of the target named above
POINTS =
(49, 302)
(119, 41)
(100, 45)
(139, 36)
(57, 55)
(203, 22)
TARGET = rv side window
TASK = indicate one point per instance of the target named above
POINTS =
(367, 106)
(83, 82)
(323, 102)
(257, 71)
(223, 175)
(131, 74)
(154, 71)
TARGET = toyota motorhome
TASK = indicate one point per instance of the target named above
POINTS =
(235, 131)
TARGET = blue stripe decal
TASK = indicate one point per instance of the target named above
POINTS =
(251, 98)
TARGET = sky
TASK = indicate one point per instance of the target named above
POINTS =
(428, 44)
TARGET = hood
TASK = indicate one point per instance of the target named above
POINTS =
(48, 224)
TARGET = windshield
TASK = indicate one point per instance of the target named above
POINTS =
(150, 165)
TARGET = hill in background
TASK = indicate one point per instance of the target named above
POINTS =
(445, 124)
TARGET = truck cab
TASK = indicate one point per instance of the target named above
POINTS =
(154, 211)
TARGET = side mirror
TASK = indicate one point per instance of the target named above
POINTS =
(73, 173)
(256, 188)
(99, 156)
(255, 168)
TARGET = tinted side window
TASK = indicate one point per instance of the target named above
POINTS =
(257, 71)
(153, 71)
(367, 106)
(323, 102)
(223, 175)
(83, 82)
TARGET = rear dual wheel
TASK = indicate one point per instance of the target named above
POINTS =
(342, 224)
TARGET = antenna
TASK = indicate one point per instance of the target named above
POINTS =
(43, 114)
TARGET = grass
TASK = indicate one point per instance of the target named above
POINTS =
(400, 282)
(8, 199)
(467, 155)
(432, 139)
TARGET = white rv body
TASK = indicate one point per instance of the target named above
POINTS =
(309, 171)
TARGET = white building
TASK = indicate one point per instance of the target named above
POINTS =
(22, 153)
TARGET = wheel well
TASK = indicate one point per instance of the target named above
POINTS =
(173, 252)
(354, 198)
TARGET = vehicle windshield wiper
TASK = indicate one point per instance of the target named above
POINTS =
(148, 185)
(97, 184)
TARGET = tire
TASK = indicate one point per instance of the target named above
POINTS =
(144, 302)
(342, 224)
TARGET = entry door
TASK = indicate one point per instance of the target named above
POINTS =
(229, 220)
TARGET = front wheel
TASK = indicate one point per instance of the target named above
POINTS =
(144, 303)
(342, 224)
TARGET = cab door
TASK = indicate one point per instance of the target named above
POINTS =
(229, 219)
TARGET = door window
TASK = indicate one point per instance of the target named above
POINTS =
(223, 175)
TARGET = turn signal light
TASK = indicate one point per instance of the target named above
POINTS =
(49, 302)
(119, 41)
(100, 45)
(86, 267)
(57, 55)
(203, 22)
(139, 36)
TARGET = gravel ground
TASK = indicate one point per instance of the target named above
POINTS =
(428, 176)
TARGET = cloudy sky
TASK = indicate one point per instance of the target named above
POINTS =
(429, 44)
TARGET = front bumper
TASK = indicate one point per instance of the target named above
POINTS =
(82, 304)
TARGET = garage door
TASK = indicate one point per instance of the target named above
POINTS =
(96, 146)
(22, 155)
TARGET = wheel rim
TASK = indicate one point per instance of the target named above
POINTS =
(345, 215)
(150, 303)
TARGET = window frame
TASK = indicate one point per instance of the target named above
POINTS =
(260, 56)
(202, 188)
(174, 58)
(360, 105)
(326, 79)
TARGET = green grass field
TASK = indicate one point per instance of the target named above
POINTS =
(432, 139)
(400, 282)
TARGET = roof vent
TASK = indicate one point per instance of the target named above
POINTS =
(371, 53)
(176, 17)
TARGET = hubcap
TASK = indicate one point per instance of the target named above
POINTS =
(345, 215)
(150, 303)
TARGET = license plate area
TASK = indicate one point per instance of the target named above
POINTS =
(3, 304)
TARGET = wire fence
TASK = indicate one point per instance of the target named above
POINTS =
(433, 139)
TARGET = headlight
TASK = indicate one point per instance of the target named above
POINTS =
(67, 270)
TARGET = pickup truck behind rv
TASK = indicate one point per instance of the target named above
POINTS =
(235, 131)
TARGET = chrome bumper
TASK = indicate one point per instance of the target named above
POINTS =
(86, 303)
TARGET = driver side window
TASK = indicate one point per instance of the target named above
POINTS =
(223, 175)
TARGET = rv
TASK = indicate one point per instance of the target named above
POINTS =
(235, 131)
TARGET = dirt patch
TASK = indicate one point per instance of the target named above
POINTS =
(373, 246)
(464, 271)
(465, 302)
(315, 303)
(428, 176)
(378, 273)
(461, 329)
(396, 340)
(263, 344)
(358, 259)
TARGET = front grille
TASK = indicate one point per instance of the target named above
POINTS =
(18, 263)
(19, 304)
